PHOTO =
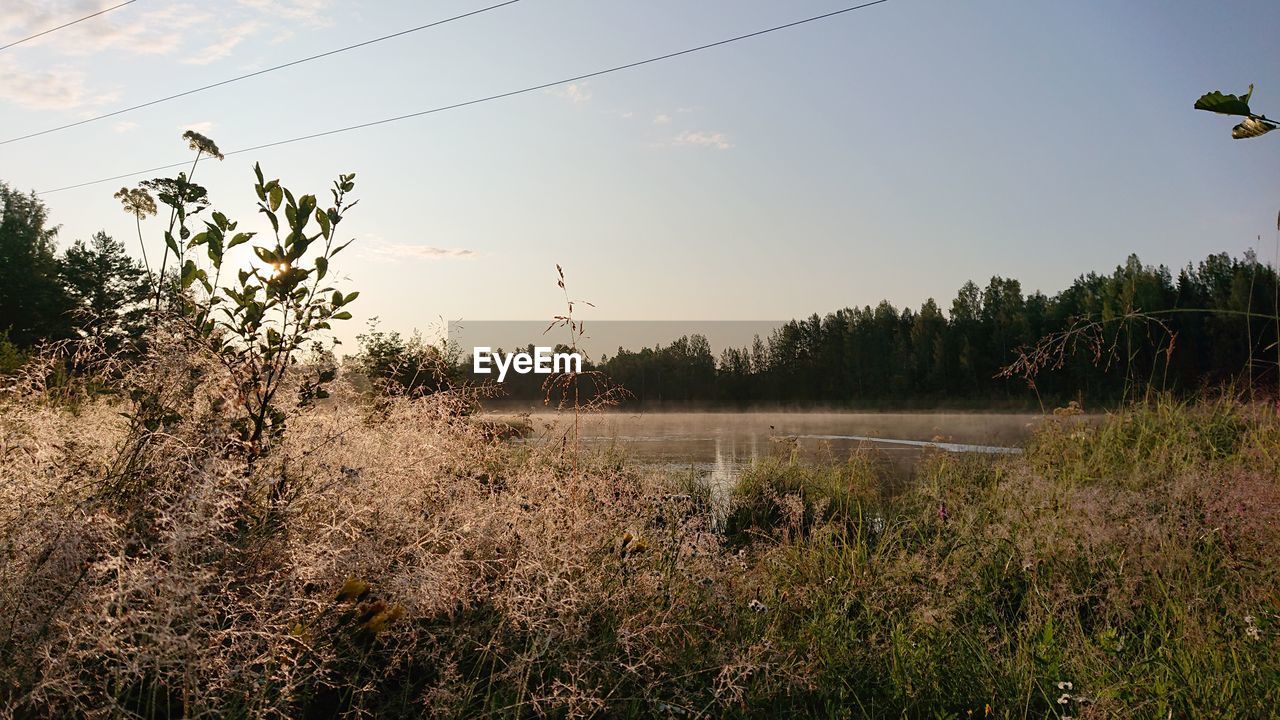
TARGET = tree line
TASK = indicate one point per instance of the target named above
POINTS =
(1107, 338)
(92, 289)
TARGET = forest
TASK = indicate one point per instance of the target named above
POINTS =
(1107, 338)
(1108, 334)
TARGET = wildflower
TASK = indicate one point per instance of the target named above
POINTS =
(1252, 631)
(1065, 685)
(202, 144)
(137, 202)
(756, 606)
(1064, 699)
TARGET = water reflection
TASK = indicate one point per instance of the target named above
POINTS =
(720, 445)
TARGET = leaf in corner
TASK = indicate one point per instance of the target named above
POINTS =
(1223, 104)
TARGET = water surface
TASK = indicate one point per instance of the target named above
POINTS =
(720, 444)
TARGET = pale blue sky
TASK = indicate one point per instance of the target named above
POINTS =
(893, 152)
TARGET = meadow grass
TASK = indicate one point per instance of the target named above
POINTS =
(398, 559)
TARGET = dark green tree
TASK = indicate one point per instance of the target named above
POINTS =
(33, 303)
(107, 289)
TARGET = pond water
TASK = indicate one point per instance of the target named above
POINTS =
(720, 445)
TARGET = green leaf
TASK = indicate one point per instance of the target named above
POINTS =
(322, 217)
(239, 239)
(266, 255)
(1218, 102)
(350, 297)
(306, 206)
(297, 249)
(275, 222)
(189, 271)
(215, 248)
(170, 242)
(322, 268)
(344, 315)
(275, 197)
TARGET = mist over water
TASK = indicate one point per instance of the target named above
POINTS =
(721, 444)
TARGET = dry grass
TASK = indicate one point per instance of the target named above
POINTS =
(395, 560)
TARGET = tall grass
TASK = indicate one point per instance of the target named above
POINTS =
(421, 566)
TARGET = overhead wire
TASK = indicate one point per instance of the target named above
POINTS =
(487, 98)
(66, 25)
(255, 73)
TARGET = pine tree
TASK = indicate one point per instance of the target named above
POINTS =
(107, 290)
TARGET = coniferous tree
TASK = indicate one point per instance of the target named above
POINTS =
(107, 288)
(33, 303)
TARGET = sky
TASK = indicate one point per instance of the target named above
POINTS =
(889, 153)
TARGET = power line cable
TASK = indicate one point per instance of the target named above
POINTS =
(477, 101)
(255, 73)
(67, 25)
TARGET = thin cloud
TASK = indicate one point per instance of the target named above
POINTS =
(702, 138)
(55, 88)
(662, 119)
(576, 93)
(403, 251)
(124, 126)
(192, 33)
(222, 48)
(204, 127)
(159, 31)
(310, 11)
